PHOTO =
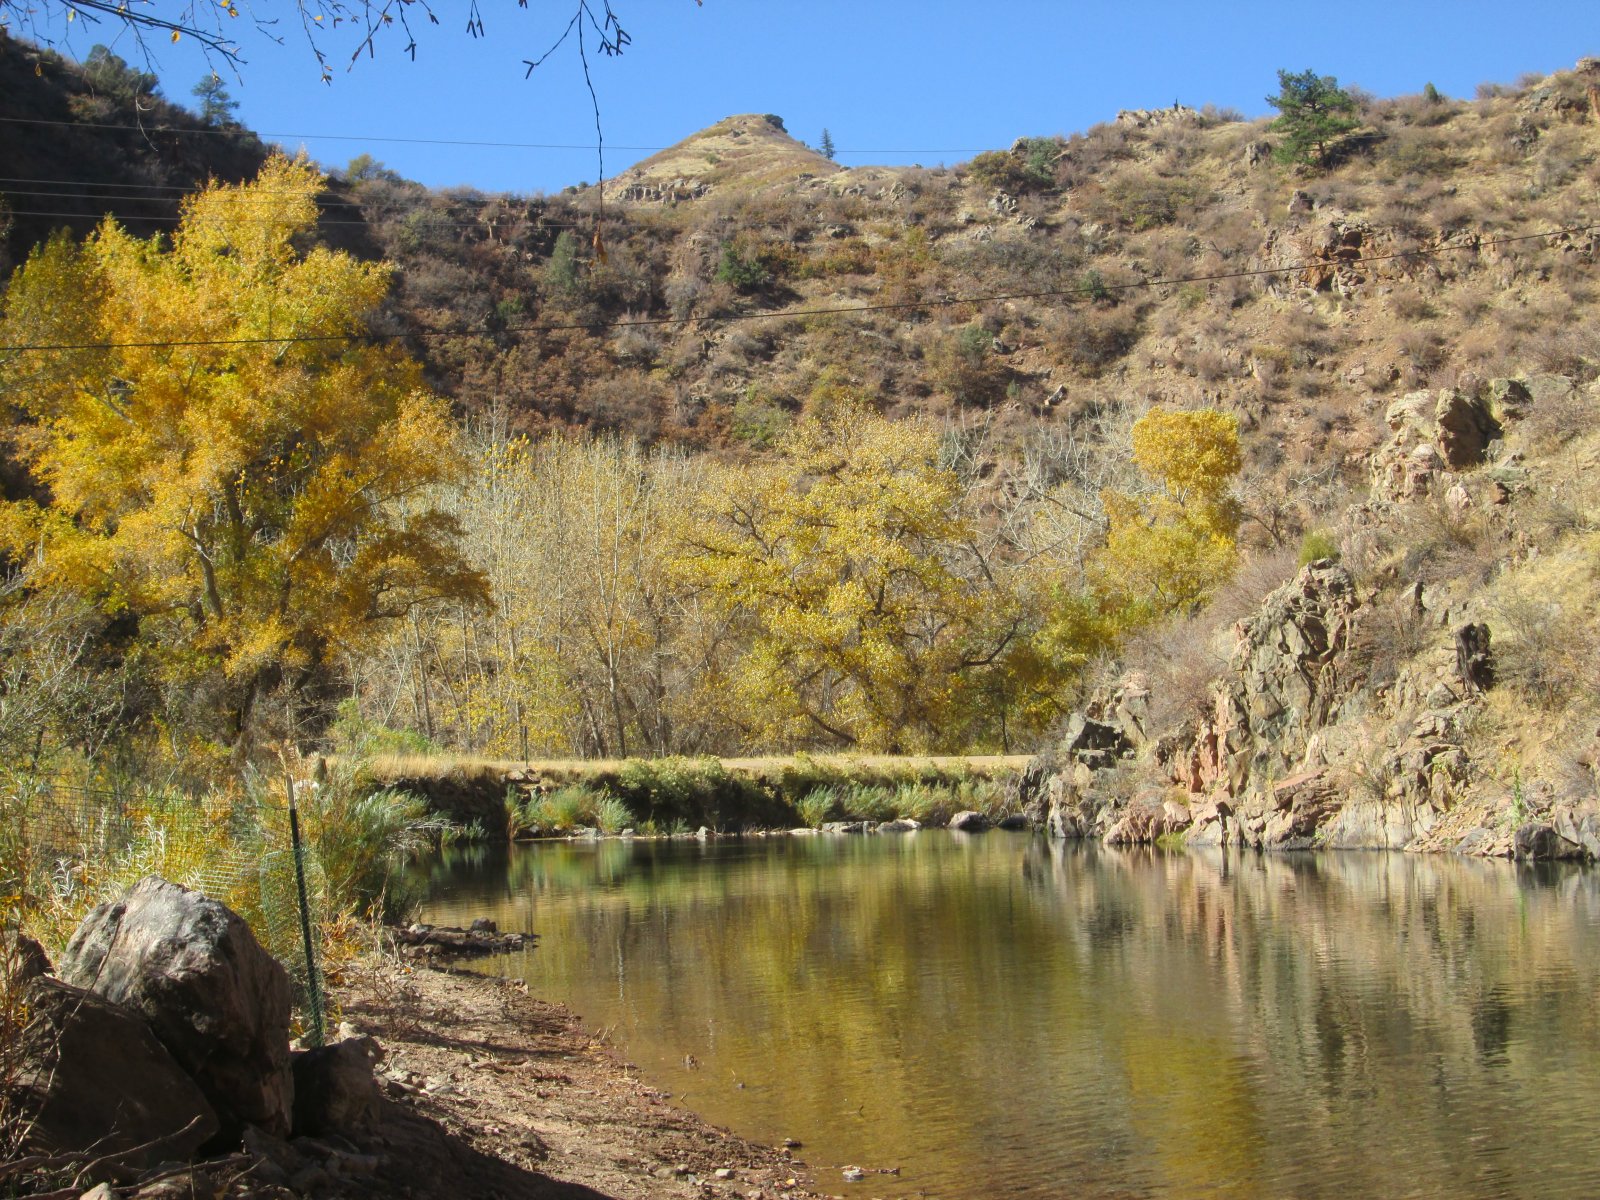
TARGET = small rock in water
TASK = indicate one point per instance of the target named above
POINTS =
(791, 1143)
(854, 1174)
(484, 925)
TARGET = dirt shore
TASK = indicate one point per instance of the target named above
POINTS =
(492, 1092)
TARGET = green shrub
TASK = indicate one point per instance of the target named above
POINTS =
(613, 815)
(1318, 544)
(567, 807)
(817, 806)
(744, 272)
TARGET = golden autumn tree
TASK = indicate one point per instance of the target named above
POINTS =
(227, 460)
(841, 559)
(1169, 549)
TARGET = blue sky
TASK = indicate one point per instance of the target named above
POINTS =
(894, 82)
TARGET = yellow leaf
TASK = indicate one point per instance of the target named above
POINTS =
(176, 35)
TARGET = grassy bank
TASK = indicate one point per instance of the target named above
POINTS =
(679, 795)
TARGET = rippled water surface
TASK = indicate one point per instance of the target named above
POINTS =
(1000, 1016)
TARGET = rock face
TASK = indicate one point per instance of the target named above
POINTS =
(93, 1075)
(1283, 686)
(211, 995)
(1436, 435)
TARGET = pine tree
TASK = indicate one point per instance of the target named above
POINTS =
(216, 106)
(826, 145)
(1314, 113)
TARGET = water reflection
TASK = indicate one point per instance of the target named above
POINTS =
(1006, 1016)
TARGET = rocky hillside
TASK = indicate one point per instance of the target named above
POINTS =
(1431, 684)
(1406, 336)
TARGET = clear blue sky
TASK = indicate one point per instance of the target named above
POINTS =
(894, 81)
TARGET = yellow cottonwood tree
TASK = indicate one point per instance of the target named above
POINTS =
(841, 559)
(226, 460)
(1170, 549)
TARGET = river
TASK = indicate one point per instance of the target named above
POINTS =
(997, 1015)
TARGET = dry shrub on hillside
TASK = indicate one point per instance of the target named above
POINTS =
(1423, 351)
(962, 362)
(1091, 338)
(1430, 542)
(1547, 648)
(1392, 630)
(1017, 262)
(1411, 303)
(1575, 754)
(626, 402)
(1417, 153)
(1180, 660)
(1138, 199)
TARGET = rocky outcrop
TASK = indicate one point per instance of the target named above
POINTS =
(1300, 747)
(1285, 682)
(1435, 436)
(212, 996)
(91, 1075)
(1150, 118)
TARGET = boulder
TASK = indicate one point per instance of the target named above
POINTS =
(901, 825)
(1143, 823)
(91, 1075)
(212, 996)
(1302, 802)
(1541, 841)
(968, 821)
(844, 827)
(1546, 391)
(334, 1089)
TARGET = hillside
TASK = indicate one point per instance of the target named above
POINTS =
(79, 144)
(1405, 337)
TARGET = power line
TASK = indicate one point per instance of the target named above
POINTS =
(409, 141)
(173, 220)
(840, 310)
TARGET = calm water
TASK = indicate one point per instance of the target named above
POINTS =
(998, 1016)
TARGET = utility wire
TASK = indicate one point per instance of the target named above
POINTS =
(410, 141)
(174, 220)
(783, 314)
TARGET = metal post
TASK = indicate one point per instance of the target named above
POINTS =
(319, 1031)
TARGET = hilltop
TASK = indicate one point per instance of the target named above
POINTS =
(740, 153)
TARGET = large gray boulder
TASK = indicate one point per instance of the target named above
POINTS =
(92, 1077)
(213, 997)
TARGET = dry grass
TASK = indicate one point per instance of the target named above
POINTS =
(422, 766)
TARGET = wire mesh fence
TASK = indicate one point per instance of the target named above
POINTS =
(65, 847)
